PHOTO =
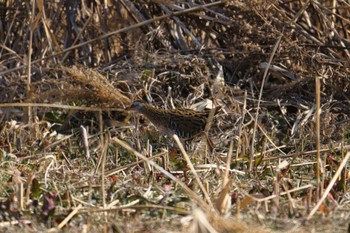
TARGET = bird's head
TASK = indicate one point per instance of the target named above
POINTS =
(136, 106)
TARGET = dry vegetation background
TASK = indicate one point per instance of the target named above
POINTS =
(72, 158)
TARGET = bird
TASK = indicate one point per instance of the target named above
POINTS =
(185, 123)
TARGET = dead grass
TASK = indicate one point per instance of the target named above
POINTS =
(257, 61)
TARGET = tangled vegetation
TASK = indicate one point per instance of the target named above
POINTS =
(73, 159)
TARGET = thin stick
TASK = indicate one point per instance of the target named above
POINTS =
(207, 128)
(221, 167)
(252, 148)
(318, 145)
(64, 222)
(62, 106)
(190, 165)
(345, 172)
(282, 193)
(222, 202)
(244, 110)
(228, 163)
(15, 222)
(84, 135)
(133, 207)
(100, 122)
(29, 67)
(104, 155)
(330, 186)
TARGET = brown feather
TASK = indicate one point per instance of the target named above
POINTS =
(185, 123)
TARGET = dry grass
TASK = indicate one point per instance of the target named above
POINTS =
(72, 158)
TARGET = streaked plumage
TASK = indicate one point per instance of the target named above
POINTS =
(185, 123)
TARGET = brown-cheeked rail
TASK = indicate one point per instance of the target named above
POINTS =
(185, 123)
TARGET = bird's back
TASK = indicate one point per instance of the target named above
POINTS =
(185, 123)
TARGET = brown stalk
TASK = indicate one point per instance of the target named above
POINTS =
(104, 155)
(244, 111)
(29, 64)
(85, 140)
(308, 186)
(318, 144)
(222, 202)
(15, 222)
(190, 165)
(66, 220)
(252, 147)
(61, 106)
(102, 142)
(330, 186)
